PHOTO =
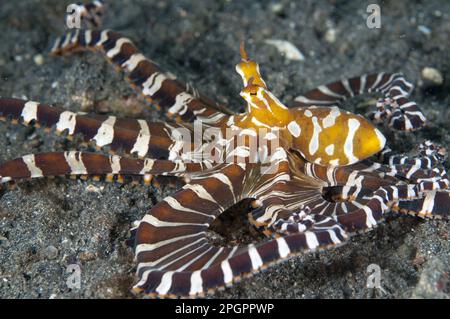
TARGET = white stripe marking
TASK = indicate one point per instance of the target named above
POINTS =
(114, 161)
(196, 283)
(370, 221)
(353, 126)
(150, 247)
(142, 141)
(255, 258)
(133, 62)
(148, 166)
(330, 119)
(325, 90)
(283, 248)
(103, 38)
(88, 37)
(105, 133)
(181, 102)
(29, 111)
(333, 237)
(200, 191)
(76, 165)
(428, 204)
(224, 179)
(314, 143)
(29, 160)
(114, 51)
(227, 272)
(329, 149)
(311, 240)
(153, 83)
(165, 284)
(67, 120)
(152, 220)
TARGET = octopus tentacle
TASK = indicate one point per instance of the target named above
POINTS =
(145, 139)
(395, 106)
(363, 197)
(75, 163)
(430, 155)
(175, 258)
(158, 87)
(171, 239)
(433, 205)
(239, 262)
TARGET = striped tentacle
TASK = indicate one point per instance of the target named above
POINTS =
(295, 209)
(428, 185)
(357, 180)
(279, 201)
(90, 13)
(405, 198)
(395, 197)
(285, 209)
(357, 199)
(424, 178)
(425, 169)
(395, 106)
(365, 177)
(413, 173)
(159, 88)
(171, 244)
(430, 155)
(174, 257)
(434, 204)
(90, 164)
(303, 221)
(232, 264)
(145, 139)
(360, 214)
(275, 192)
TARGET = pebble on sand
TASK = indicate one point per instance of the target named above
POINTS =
(432, 75)
(51, 252)
(38, 59)
(289, 50)
(330, 35)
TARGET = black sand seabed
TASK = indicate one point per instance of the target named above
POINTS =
(47, 224)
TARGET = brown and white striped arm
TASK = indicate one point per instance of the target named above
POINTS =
(73, 163)
(160, 88)
(288, 207)
(395, 106)
(131, 136)
(357, 196)
(171, 244)
(175, 258)
(430, 155)
(433, 205)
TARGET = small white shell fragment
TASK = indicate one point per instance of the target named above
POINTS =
(38, 59)
(330, 35)
(289, 50)
(433, 75)
(94, 189)
(424, 29)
